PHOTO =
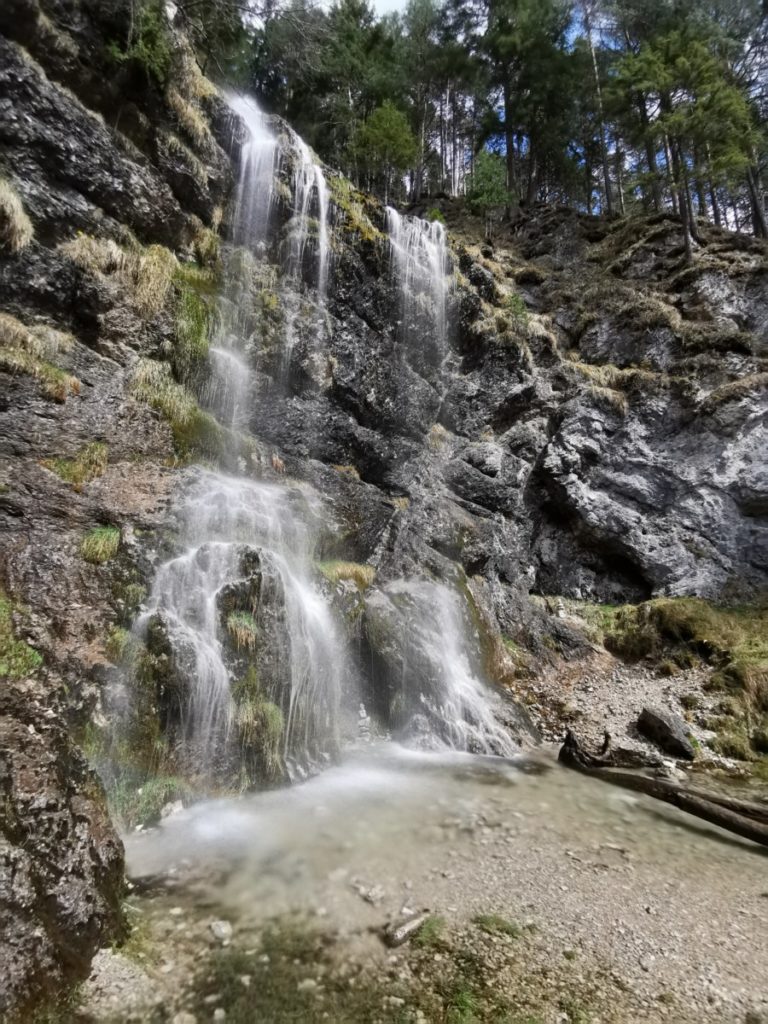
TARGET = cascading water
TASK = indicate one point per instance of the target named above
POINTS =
(239, 599)
(421, 269)
(443, 701)
(245, 572)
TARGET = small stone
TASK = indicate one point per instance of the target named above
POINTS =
(221, 930)
(184, 1018)
(219, 1013)
(307, 985)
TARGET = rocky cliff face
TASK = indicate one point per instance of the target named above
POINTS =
(593, 426)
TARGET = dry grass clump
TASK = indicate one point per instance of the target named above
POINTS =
(192, 78)
(96, 255)
(735, 391)
(361, 575)
(194, 163)
(614, 400)
(87, 465)
(100, 544)
(16, 231)
(54, 38)
(191, 121)
(153, 383)
(154, 278)
(27, 350)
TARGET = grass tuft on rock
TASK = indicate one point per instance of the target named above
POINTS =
(242, 627)
(100, 544)
(27, 350)
(16, 231)
(143, 805)
(87, 465)
(17, 658)
(336, 572)
(153, 279)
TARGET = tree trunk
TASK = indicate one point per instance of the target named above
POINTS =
(650, 155)
(600, 110)
(509, 137)
(757, 202)
(749, 820)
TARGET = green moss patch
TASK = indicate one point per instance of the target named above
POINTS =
(17, 658)
(242, 627)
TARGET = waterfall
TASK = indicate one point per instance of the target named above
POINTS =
(421, 271)
(444, 698)
(246, 568)
(253, 645)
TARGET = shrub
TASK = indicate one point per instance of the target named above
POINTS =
(100, 544)
(16, 231)
(143, 805)
(17, 658)
(87, 465)
(516, 307)
(434, 214)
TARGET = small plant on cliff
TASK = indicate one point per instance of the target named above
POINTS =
(243, 630)
(100, 544)
(27, 350)
(153, 278)
(16, 230)
(435, 215)
(87, 465)
(17, 658)
(361, 575)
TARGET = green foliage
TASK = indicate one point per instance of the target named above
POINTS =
(488, 184)
(493, 924)
(28, 350)
(242, 627)
(17, 658)
(100, 544)
(87, 465)
(192, 325)
(141, 805)
(385, 144)
(431, 933)
(149, 46)
(516, 307)
(434, 214)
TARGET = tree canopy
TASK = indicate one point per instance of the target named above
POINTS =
(607, 105)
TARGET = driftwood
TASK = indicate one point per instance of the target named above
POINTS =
(749, 820)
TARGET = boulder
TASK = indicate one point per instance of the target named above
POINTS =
(667, 731)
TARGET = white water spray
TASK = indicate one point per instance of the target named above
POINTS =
(443, 694)
(421, 269)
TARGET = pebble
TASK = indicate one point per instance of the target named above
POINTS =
(307, 985)
(184, 1018)
(219, 1013)
(221, 930)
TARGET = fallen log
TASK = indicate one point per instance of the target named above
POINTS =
(746, 819)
